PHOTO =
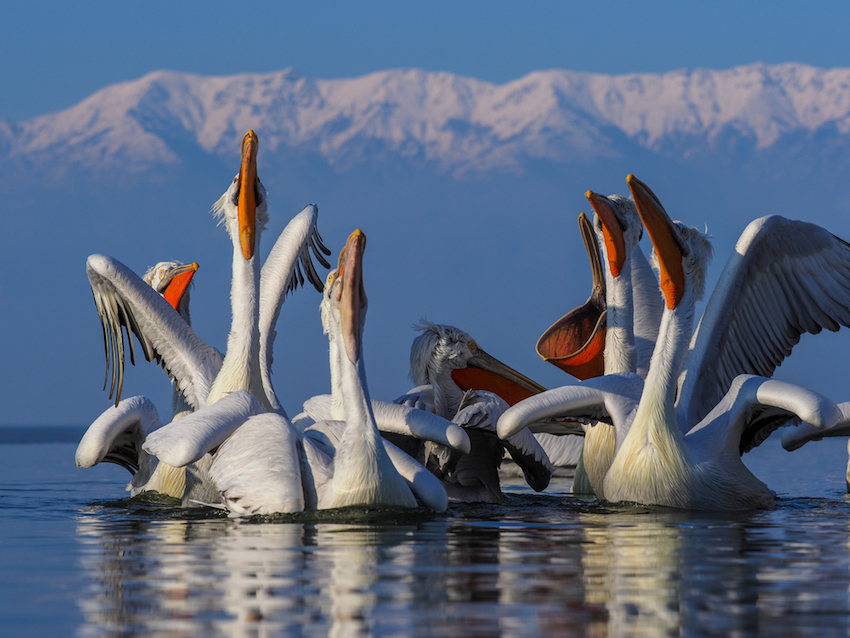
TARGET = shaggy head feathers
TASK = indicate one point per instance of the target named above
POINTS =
(225, 210)
(438, 345)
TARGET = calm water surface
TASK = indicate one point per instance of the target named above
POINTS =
(79, 559)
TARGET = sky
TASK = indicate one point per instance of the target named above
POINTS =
(55, 53)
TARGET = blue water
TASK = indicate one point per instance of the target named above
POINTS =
(79, 559)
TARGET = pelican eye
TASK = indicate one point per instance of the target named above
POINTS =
(473, 347)
(685, 232)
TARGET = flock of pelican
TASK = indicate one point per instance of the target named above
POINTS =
(661, 414)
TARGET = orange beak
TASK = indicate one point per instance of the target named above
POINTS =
(352, 293)
(485, 372)
(665, 238)
(179, 284)
(248, 194)
(615, 244)
(576, 342)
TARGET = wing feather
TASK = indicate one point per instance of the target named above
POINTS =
(784, 278)
(126, 303)
(283, 272)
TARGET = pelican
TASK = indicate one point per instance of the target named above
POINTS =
(124, 301)
(265, 465)
(655, 462)
(117, 435)
(627, 291)
(201, 374)
(446, 364)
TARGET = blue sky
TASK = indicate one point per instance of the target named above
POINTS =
(55, 53)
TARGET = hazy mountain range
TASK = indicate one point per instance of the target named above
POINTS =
(468, 192)
(462, 126)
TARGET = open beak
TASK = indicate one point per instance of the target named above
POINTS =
(612, 231)
(248, 193)
(485, 372)
(352, 294)
(576, 342)
(665, 237)
(179, 283)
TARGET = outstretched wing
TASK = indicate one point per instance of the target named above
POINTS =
(784, 278)
(611, 399)
(793, 438)
(126, 303)
(752, 409)
(283, 271)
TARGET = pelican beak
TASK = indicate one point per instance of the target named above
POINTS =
(665, 237)
(178, 284)
(611, 230)
(248, 193)
(576, 342)
(485, 372)
(352, 294)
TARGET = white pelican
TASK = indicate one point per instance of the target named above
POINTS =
(117, 435)
(123, 300)
(265, 465)
(198, 369)
(655, 463)
(446, 363)
(626, 289)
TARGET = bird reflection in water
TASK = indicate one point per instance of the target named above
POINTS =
(241, 577)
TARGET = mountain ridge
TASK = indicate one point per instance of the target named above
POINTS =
(463, 126)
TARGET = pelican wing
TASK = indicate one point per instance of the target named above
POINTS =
(257, 469)
(283, 271)
(186, 440)
(481, 410)
(421, 397)
(426, 487)
(401, 419)
(126, 302)
(609, 399)
(315, 409)
(116, 435)
(792, 438)
(752, 409)
(784, 278)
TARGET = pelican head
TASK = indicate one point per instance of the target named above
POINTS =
(171, 279)
(349, 295)
(352, 256)
(244, 207)
(680, 252)
(576, 342)
(618, 222)
(449, 358)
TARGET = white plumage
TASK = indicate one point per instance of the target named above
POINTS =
(655, 463)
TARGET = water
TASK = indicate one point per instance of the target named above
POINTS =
(78, 558)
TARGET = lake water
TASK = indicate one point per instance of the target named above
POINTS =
(79, 559)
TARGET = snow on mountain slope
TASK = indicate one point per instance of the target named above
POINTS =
(462, 125)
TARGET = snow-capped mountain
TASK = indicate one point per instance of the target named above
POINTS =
(460, 125)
